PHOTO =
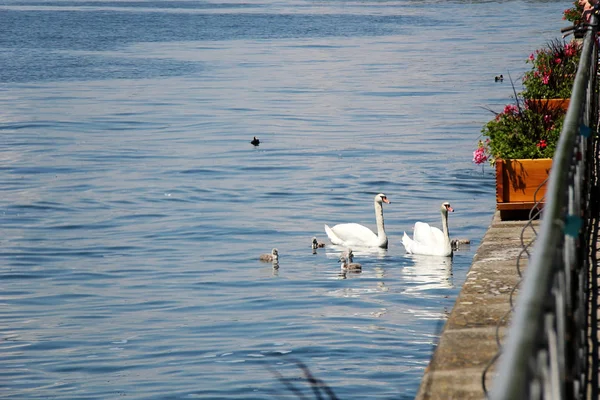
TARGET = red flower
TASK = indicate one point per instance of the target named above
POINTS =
(511, 109)
(570, 50)
(542, 144)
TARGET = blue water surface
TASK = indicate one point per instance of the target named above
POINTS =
(134, 207)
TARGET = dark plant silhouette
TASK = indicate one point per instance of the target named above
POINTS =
(319, 387)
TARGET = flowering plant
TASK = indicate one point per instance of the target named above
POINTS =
(574, 14)
(520, 132)
(552, 71)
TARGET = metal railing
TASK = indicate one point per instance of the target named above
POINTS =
(552, 345)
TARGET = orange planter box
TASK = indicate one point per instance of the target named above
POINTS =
(540, 105)
(518, 181)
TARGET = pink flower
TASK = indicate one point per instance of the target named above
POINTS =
(547, 119)
(557, 60)
(546, 79)
(479, 155)
(531, 57)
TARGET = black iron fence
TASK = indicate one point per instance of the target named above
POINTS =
(551, 349)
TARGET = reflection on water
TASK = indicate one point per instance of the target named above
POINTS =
(345, 273)
(373, 288)
(428, 272)
(360, 253)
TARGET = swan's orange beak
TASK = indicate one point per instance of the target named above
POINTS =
(385, 200)
(450, 208)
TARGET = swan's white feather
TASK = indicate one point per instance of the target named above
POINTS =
(351, 234)
(414, 247)
(428, 240)
(428, 235)
(358, 235)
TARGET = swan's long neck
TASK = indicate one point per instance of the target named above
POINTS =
(380, 227)
(445, 227)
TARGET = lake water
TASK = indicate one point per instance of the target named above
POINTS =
(134, 208)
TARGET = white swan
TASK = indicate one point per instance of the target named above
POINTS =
(428, 240)
(359, 235)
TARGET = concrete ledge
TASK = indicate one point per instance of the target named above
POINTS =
(468, 341)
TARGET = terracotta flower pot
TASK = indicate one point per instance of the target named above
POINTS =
(518, 181)
(541, 105)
